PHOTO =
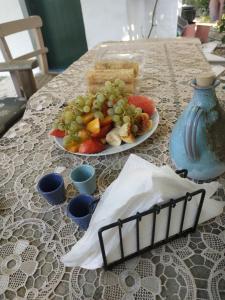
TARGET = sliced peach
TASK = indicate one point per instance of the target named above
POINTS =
(94, 126)
(73, 148)
(72, 143)
(128, 139)
(103, 131)
(88, 117)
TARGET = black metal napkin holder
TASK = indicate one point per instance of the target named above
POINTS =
(154, 210)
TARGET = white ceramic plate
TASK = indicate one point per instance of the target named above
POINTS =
(112, 150)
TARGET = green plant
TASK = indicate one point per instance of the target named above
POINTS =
(205, 19)
(198, 3)
(201, 6)
(220, 26)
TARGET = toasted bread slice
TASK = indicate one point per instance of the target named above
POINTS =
(117, 64)
(101, 76)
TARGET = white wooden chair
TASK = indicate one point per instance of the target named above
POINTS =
(21, 67)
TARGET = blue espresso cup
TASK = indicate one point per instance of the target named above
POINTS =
(81, 208)
(51, 187)
(84, 179)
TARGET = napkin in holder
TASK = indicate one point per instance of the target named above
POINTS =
(139, 186)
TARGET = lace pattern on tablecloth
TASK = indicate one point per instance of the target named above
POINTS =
(34, 235)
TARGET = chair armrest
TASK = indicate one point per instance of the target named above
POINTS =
(17, 65)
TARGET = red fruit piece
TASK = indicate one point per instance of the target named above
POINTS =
(106, 121)
(145, 103)
(57, 133)
(103, 131)
(91, 146)
(104, 109)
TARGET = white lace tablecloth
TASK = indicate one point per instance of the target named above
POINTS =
(34, 235)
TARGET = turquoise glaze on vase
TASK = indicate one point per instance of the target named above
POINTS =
(197, 142)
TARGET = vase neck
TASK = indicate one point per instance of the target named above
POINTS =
(205, 98)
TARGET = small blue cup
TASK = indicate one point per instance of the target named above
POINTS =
(81, 208)
(51, 187)
(84, 179)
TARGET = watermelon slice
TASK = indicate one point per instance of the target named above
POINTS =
(145, 103)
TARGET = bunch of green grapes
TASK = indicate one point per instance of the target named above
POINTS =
(122, 112)
(59, 124)
(107, 95)
(70, 120)
(112, 97)
(114, 90)
(100, 99)
(71, 117)
(82, 104)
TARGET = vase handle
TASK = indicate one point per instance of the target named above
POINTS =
(190, 133)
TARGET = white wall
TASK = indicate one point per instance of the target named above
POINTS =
(19, 43)
(179, 7)
(128, 19)
(105, 20)
(140, 18)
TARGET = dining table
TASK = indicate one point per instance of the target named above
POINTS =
(35, 235)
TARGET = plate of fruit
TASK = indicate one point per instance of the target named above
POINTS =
(108, 122)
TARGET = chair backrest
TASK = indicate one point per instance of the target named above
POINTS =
(33, 23)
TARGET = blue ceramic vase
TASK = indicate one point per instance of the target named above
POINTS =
(197, 141)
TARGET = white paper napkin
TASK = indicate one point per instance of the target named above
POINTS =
(138, 187)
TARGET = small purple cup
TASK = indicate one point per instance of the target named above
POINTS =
(51, 187)
(81, 208)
